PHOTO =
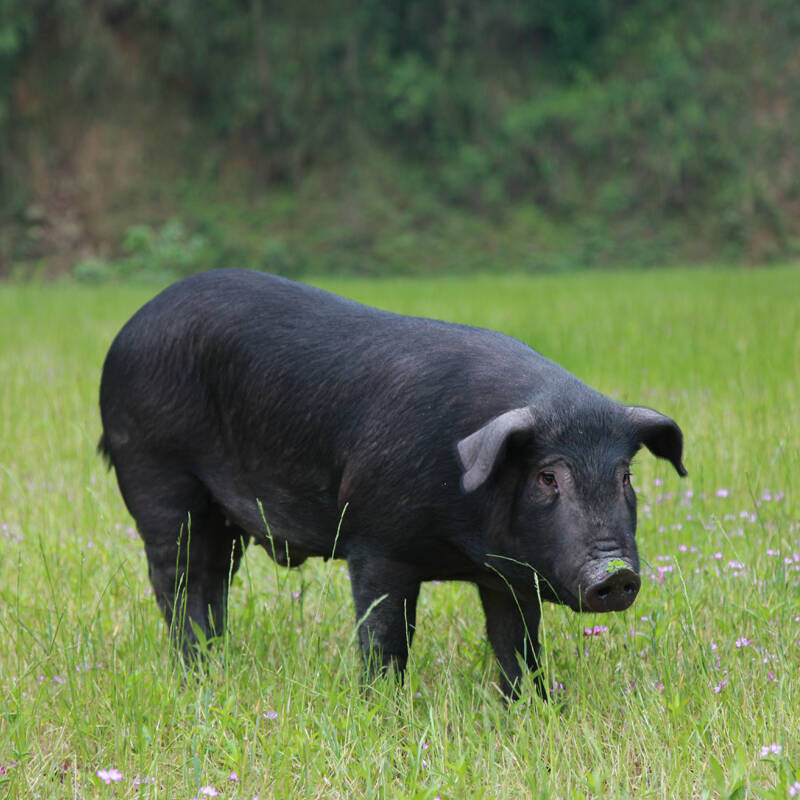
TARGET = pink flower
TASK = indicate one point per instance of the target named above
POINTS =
(109, 775)
(794, 789)
(233, 777)
(743, 641)
(720, 686)
(596, 631)
(722, 492)
(208, 791)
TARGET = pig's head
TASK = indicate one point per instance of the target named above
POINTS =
(559, 497)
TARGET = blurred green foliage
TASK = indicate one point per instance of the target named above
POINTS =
(16, 28)
(157, 256)
(655, 121)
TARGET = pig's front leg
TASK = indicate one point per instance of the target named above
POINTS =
(512, 625)
(385, 592)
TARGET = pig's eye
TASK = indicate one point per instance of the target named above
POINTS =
(548, 479)
(626, 479)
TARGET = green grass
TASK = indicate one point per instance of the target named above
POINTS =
(85, 678)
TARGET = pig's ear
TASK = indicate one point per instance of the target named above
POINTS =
(659, 434)
(480, 451)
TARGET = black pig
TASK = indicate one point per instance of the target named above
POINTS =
(459, 453)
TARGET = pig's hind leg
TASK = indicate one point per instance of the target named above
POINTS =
(192, 550)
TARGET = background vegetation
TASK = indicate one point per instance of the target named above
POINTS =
(694, 692)
(158, 137)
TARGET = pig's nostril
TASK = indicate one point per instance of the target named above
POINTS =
(630, 588)
(604, 592)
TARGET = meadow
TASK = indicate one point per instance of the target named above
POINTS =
(693, 692)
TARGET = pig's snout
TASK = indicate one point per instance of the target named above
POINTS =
(615, 592)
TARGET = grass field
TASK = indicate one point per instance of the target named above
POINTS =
(694, 692)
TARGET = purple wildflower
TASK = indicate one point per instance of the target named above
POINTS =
(742, 641)
(143, 781)
(596, 631)
(794, 789)
(270, 715)
(720, 686)
(771, 749)
(233, 777)
(722, 492)
(208, 791)
(109, 775)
